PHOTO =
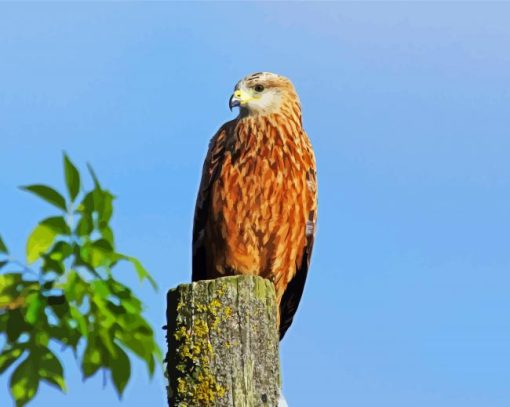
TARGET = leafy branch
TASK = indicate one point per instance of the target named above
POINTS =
(66, 294)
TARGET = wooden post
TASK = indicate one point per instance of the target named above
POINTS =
(223, 344)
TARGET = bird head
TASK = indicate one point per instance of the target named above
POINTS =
(263, 93)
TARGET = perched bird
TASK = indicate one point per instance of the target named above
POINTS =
(256, 208)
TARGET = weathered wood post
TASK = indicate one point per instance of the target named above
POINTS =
(223, 344)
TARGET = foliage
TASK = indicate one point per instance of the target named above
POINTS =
(66, 294)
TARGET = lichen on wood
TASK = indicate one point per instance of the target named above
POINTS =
(223, 343)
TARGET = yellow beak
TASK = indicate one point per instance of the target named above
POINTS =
(239, 98)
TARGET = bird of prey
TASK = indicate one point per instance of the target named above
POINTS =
(256, 208)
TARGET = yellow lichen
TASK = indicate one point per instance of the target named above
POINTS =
(197, 383)
(227, 311)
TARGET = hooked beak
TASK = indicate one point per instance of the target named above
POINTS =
(239, 98)
(234, 101)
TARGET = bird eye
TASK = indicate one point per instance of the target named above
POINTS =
(258, 88)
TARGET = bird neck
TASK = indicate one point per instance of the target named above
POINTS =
(287, 113)
(259, 131)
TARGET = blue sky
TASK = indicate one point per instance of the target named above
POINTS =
(408, 108)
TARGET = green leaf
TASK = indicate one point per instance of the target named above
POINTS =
(48, 194)
(41, 336)
(158, 354)
(151, 364)
(98, 253)
(92, 359)
(104, 319)
(16, 325)
(59, 305)
(8, 356)
(80, 320)
(54, 260)
(58, 224)
(39, 241)
(100, 289)
(9, 288)
(75, 288)
(118, 289)
(138, 337)
(72, 178)
(85, 225)
(132, 304)
(3, 247)
(61, 251)
(86, 205)
(51, 265)
(104, 206)
(3, 263)
(121, 370)
(97, 185)
(141, 271)
(65, 334)
(4, 317)
(96, 209)
(99, 201)
(50, 369)
(24, 382)
(35, 306)
(103, 245)
(106, 338)
(107, 234)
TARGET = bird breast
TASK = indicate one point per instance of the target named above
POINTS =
(261, 201)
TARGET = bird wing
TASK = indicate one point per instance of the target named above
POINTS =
(294, 290)
(210, 171)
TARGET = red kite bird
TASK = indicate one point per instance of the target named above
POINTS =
(257, 203)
